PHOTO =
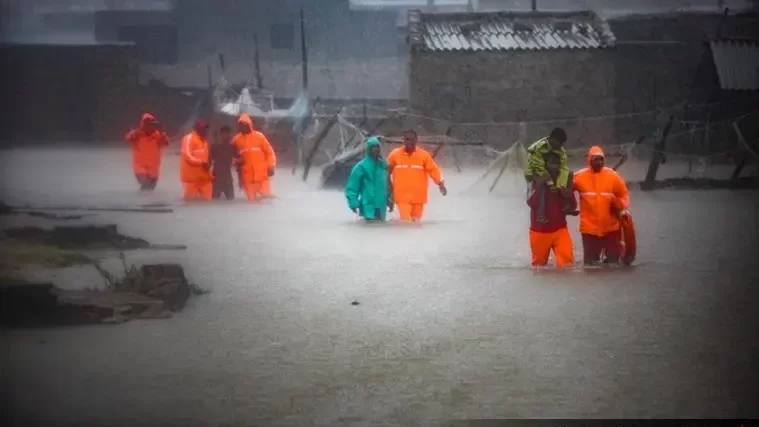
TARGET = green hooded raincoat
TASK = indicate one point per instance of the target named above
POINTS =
(367, 188)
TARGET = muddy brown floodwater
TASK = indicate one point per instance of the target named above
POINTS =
(451, 323)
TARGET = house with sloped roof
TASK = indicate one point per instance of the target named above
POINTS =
(512, 67)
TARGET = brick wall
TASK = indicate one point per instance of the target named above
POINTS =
(530, 86)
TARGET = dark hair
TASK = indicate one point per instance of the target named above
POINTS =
(410, 131)
(225, 128)
(559, 134)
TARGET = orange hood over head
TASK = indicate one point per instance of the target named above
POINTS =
(595, 151)
(244, 118)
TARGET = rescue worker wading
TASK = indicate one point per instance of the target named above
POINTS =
(410, 168)
(223, 155)
(256, 157)
(553, 233)
(368, 189)
(603, 199)
(147, 141)
(194, 169)
(536, 166)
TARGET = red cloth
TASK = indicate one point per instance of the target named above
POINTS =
(555, 202)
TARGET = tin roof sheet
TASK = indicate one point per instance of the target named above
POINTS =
(504, 32)
(737, 64)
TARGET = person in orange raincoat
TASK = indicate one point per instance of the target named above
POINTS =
(194, 168)
(603, 200)
(256, 157)
(548, 231)
(147, 141)
(410, 167)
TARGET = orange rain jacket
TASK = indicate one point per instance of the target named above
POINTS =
(602, 195)
(146, 148)
(409, 173)
(255, 151)
(193, 163)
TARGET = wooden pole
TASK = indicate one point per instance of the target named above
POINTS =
(500, 173)
(656, 157)
(742, 163)
(315, 147)
(257, 63)
(303, 49)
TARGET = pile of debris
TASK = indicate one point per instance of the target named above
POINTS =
(148, 292)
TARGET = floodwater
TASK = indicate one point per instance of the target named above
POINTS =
(451, 321)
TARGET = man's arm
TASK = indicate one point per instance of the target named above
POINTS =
(433, 170)
(353, 187)
(164, 141)
(621, 198)
(271, 156)
(131, 136)
(187, 148)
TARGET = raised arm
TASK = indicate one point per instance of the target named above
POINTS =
(131, 136)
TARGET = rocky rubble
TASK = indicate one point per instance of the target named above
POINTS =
(148, 292)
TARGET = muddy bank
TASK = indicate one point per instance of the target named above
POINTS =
(88, 237)
(148, 292)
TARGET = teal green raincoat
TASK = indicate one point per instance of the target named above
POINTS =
(368, 187)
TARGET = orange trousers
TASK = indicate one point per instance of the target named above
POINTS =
(410, 211)
(559, 241)
(254, 190)
(198, 190)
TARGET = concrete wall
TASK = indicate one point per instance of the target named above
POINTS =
(65, 92)
(659, 61)
(82, 93)
(559, 85)
(352, 54)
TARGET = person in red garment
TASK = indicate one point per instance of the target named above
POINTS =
(147, 141)
(549, 232)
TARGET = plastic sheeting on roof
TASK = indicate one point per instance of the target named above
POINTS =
(737, 64)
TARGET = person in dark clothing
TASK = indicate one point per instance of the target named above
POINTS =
(223, 155)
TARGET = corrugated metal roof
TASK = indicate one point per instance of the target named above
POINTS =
(496, 32)
(737, 64)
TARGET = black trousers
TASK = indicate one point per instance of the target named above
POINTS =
(147, 183)
(224, 187)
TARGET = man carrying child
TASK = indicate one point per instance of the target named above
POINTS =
(536, 167)
(548, 231)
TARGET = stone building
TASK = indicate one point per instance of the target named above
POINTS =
(513, 67)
